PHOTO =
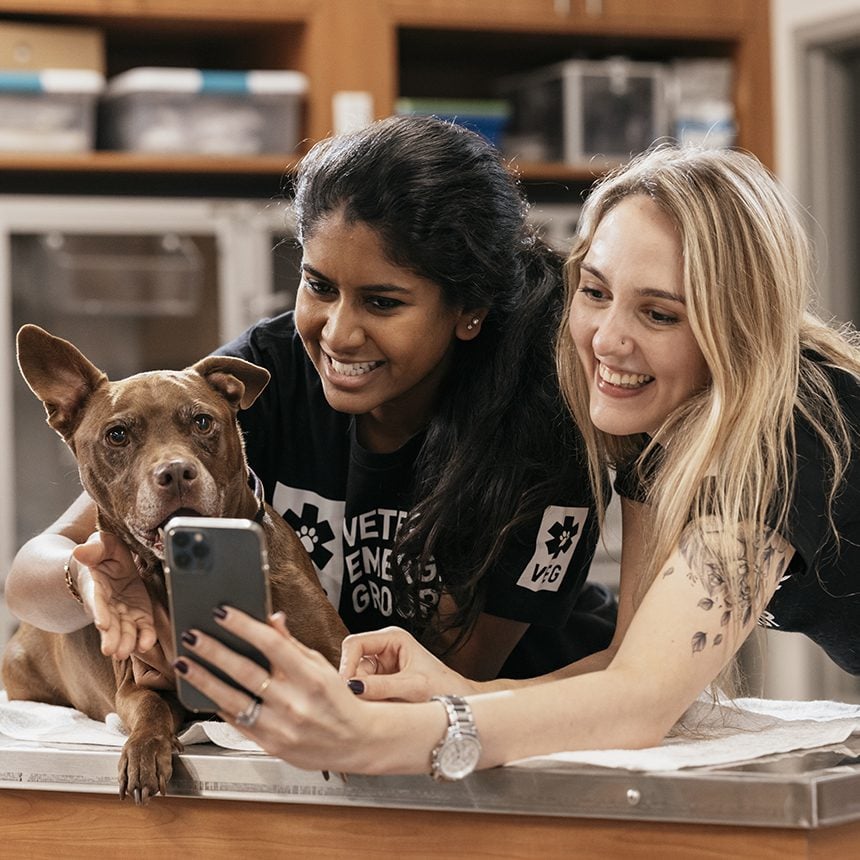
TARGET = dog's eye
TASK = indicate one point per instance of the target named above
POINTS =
(117, 436)
(203, 422)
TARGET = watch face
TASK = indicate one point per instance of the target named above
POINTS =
(459, 757)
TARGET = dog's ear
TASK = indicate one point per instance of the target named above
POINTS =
(59, 375)
(238, 381)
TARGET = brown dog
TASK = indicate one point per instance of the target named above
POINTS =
(150, 447)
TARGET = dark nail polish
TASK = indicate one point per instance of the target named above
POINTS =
(188, 637)
(181, 666)
(356, 686)
(220, 612)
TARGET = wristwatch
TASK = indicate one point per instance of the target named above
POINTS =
(457, 754)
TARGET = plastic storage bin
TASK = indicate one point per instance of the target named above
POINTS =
(701, 102)
(581, 110)
(194, 111)
(49, 111)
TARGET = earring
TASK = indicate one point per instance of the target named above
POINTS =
(473, 323)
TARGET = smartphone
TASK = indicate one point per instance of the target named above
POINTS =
(210, 561)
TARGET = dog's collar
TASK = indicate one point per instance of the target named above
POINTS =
(257, 486)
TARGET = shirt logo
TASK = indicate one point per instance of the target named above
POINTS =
(318, 522)
(558, 536)
(314, 533)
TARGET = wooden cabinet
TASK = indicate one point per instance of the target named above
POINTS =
(441, 48)
(450, 47)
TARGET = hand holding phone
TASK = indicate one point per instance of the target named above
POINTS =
(211, 561)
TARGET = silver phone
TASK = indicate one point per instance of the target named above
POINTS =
(211, 561)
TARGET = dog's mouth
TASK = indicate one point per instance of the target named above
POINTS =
(157, 533)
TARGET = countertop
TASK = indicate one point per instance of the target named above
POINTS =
(810, 789)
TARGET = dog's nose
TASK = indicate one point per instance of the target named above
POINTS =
(175, 473)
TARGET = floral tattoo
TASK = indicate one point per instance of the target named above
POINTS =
(735, 588)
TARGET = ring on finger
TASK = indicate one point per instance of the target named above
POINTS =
(263, 687)
(250, 715)
(372, 659)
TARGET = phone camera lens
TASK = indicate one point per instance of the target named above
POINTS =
(200, 550)
(182, 559)
(181, 539)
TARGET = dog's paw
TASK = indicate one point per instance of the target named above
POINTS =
(145, 767)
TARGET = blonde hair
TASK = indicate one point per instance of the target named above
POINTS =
(747, 280)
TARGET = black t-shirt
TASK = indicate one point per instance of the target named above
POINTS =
(346, 502)
(819, 595)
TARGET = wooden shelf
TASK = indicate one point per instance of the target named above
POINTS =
(382, 46)
(131, 162)
(272, 165)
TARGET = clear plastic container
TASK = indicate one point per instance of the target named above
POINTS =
(53, 110)
(205, 112)
(581, 110)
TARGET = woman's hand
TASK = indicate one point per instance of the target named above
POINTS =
(307, 714)
(114, 593)
(390, 664)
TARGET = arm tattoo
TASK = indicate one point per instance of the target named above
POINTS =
(735, 587)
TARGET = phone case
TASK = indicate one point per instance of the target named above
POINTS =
(208, 562)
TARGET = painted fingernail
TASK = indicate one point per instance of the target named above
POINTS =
(356, 686)
(188, 637)
(181, 666)
(220, 612)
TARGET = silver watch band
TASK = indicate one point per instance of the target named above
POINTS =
(459, 712)
(457, 754)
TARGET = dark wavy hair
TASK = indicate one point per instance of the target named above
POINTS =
(501, 445)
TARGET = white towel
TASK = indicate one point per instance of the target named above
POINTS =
(52, 724)
(728, 733)
(218, 733)
(747, 730)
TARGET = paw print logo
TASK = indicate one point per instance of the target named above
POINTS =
(309, 538)
(563, 534)
(313, 533)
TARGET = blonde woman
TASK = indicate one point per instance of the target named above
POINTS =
(732, 414)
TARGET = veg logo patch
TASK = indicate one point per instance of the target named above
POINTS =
(558, 536)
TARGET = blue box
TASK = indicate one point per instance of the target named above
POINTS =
(487, 117)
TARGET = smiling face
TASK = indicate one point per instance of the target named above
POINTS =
(380, 336)
(629, 323)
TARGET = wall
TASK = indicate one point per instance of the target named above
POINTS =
(794, 668)
(786, 17)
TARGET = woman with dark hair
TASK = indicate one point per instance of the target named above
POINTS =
(413, 434)
(426, 453)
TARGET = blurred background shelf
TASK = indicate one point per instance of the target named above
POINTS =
(133, 162)
(384, 49)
